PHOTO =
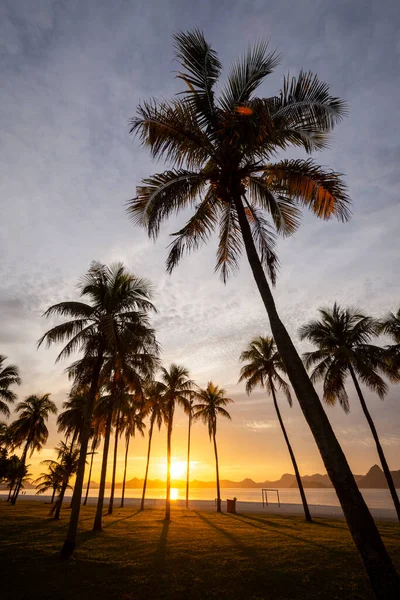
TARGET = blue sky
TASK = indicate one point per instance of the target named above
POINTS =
(72, 73)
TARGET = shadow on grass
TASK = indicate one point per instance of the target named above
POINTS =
(246, 550)
(327, 547)
(123, 519)
(161, 550)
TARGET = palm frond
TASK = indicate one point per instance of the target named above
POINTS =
(196, 231)
(230, 244)
(247, 74)
(163, 194)
(322, 191)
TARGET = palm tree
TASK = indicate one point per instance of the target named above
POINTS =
(262, 369)
(189, 412)
(8, 376)
(211, 406)
(342, 336)
(390, 326)
(14, 470)
(220, 152)
(51, 480)
(175, 387)
(30, 429)
(68, 457)
(97, 431)
(132, 421)
(124, 371)
(70, 421)
(116, 299)
(157, 407)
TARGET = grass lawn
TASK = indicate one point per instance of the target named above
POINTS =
(196, 555)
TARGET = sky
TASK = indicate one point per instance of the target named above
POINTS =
(72, 73)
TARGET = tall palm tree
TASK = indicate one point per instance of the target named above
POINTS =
(124, 371)
(189, 412)
(30, 429)
(220, 152)
(157, 408)
(262, 368)
(116, 299)
(343, 337)
(131, 422)
(8, 376)
(211, 402)
(68, 457)
(176, 388)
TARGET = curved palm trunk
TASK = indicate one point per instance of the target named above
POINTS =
(379, 448)
(70, 540)
(217, 472)
(382, 575)
(20, 478)
(111, 502)
(188, 461)
(147, 465)
(296, 470)
(76, 432)
(53, 494)
(12, 484)
(90, 474)
(57, 507)
(125, 466)
(97, 525)
(168, 498)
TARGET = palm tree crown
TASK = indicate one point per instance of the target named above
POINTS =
(70, 421)
(221, 151)
(175, 387)
(118, 301)
(8, 376)
(210, 406)
(263, 366)
(30, 425)
(342, 336)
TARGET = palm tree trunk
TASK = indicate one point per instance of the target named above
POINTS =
(70, 540)
(125, 466)
(22, 467)
(168, 498)
(90, 472)
(379, 448)
(383, 577)
(76, 432)
(217, 472)
(296, 470)
(52, 497)
(188, 460)
(97, 525)
(147, 465)
(10, 491)
(111, 502)
(57, 507)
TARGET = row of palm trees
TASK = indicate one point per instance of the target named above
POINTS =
(221, 153)
(342, 337)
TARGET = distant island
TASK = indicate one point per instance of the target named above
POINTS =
(374, 479)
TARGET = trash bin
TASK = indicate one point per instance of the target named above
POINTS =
(231, 506)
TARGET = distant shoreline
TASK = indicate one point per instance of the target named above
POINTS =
(317, 511)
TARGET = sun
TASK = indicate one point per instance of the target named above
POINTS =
(178, 468)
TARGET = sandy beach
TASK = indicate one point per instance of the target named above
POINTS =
(319, 511)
